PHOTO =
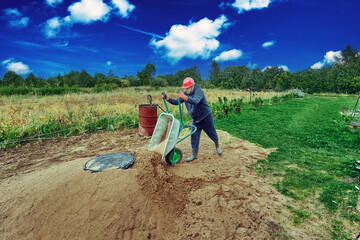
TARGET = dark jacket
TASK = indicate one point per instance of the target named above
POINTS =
(196, 104)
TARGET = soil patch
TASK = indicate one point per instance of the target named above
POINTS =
(46, 194)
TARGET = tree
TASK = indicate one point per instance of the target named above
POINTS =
(30, 80)
(271, 75)
(214, 73)
(147, 75)
(133, 81)
(233, 76)
(71, 78)
(11, 78)
(349, 55)
(100, 79)
(85, 80)
(258, 79)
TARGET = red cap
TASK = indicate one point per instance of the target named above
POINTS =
(188, 82)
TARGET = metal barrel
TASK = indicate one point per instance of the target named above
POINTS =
(147, 119)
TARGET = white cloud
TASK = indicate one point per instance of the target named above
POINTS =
(17, 67)
(317, 65)
(285, 68)
(52, 27)
(329, 58)
(87, 11)
(12, 12)
(268, 44)
(6, 61)
(15, 19)
(19, 23)
(198, 39)
(229, 55)
(124, 7)
(247, 5)
(53, 3)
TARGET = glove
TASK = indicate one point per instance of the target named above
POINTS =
(164, 96)
(182, 96)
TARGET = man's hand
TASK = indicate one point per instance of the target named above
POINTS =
(182, 96)
(164, 96)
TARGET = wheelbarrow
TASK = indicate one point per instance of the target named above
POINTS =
(166, 135)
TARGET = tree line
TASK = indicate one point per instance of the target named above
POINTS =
(343, 76)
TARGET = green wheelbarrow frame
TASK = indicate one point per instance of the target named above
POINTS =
(166, 132)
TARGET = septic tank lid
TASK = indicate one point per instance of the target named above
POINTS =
(110, 161)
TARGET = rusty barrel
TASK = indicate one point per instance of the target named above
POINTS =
(147, 119)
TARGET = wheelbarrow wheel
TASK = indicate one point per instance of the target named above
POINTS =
(174, 156)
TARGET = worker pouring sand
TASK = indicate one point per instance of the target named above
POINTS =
(200, 112)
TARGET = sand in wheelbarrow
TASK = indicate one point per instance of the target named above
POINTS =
(50, 196)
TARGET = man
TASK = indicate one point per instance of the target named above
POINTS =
(200, 112)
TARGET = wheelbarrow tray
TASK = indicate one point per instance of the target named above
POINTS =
(165, 135)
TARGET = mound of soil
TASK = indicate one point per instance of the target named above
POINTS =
(46, 194)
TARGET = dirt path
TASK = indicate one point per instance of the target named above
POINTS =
(46, 194)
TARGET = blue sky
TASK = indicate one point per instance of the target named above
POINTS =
(47, 37)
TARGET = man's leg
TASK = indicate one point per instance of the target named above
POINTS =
(195, 141)
(209, 129)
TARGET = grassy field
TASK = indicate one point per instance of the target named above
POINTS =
(316, 152)
(315, 159)
(29, 117)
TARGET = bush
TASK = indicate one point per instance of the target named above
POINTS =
(258, 101)
(224, 106)
(105, 87)
(297, 93)
(11, 90)
(125, 83)
(158, 82)
(44, 91)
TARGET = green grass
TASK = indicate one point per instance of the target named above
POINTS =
(316, 150)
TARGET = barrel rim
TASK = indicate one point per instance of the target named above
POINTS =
(147, 105)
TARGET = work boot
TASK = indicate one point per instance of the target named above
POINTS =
(194, 155)
(218, 150)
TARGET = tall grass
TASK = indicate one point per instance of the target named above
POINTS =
(27, 116)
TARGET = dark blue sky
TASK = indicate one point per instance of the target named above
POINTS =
(48, 37)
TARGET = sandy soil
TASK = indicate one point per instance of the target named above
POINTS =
(46, 194)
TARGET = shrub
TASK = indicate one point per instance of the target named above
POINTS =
(297, 93)
(258, 101)
(105, 87)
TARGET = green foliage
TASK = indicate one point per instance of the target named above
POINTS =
(105, 88)
(223, 106)
(342, 76)
(258, 102)
(337, 230)
(12, 79)
(159, 82)
(44, 91)
(232, 76)
(180, 75)
(147, 75)
(214, 73)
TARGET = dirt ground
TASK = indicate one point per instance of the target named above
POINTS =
(46, 194)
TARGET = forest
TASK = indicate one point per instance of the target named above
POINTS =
(342, 76)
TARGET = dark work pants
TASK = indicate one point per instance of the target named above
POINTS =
(207, 124)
